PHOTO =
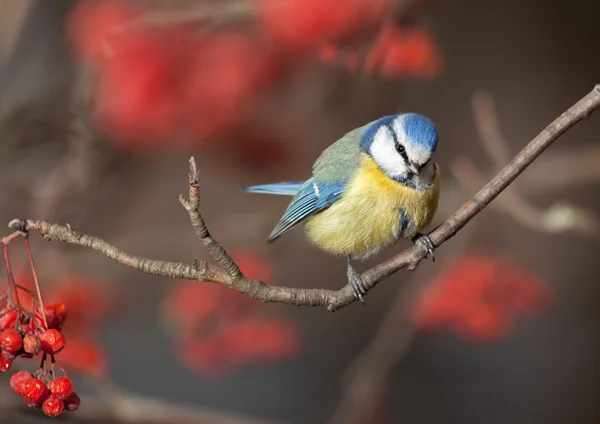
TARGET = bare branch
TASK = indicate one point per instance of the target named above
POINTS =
(192, 205)
(411, 257)
(332, 299)
(510, 202)
(558, 218)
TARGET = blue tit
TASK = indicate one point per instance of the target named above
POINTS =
(375, 185)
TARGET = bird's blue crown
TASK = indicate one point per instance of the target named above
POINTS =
(418, 130)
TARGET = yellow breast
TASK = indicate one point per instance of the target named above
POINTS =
(367, 218)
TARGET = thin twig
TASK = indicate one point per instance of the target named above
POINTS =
(332, 299)
(36, 282)
(12, 285)
(512, 202)
(192, 205)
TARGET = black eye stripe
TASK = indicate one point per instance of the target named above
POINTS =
(399, 147)
(402, 151)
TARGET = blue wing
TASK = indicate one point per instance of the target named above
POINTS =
(312, 198)
(285, 188)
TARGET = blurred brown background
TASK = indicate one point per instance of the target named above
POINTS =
(535, 57)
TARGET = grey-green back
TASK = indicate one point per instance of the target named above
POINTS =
(339, 161)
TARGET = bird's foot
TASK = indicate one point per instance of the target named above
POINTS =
(425, 241)
(356, 283)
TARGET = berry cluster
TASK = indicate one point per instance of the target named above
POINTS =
(479, 297)
(218, 329)
(30, 331)
(25, 334)
(396, 52)
(172, 85)
(53, 398)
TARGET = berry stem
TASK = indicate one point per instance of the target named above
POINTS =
(52, 364)
(30, 294)
(13, 294)
(35, 279)
(43, 364)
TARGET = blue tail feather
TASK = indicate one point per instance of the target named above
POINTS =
(283, 188)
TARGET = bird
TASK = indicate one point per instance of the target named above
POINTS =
(377, 184)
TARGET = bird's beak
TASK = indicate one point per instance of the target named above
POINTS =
(414, 168)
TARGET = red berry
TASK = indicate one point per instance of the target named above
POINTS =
(92, 25)
(61, 388)
(53, 407)
(136, 99)
(306, 23)
(5, 364)
(72, 403)
(254, 264)
(11, 341)
(85, 357)
(56, 314)
(17, 380)
(35, 392)
(32, 344)
(8, 317)
(28, 328)
(52, 341)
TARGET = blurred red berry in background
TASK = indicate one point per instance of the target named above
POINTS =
(189, 306)
(217, 328)
(136, 99)
(254, 264)
(85, 357)
(90, 302)
(169, 86)
(204, 355)
(311, 23)
(95, 24)
(262, 338)
(479, 297)
(403, 52)
(395, 53)
(239, 342)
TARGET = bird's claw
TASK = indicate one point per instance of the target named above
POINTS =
(356, 284)
(425, 241)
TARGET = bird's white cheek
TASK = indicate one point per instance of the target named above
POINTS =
(385, 155)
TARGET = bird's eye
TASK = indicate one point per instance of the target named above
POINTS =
(400, 149)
